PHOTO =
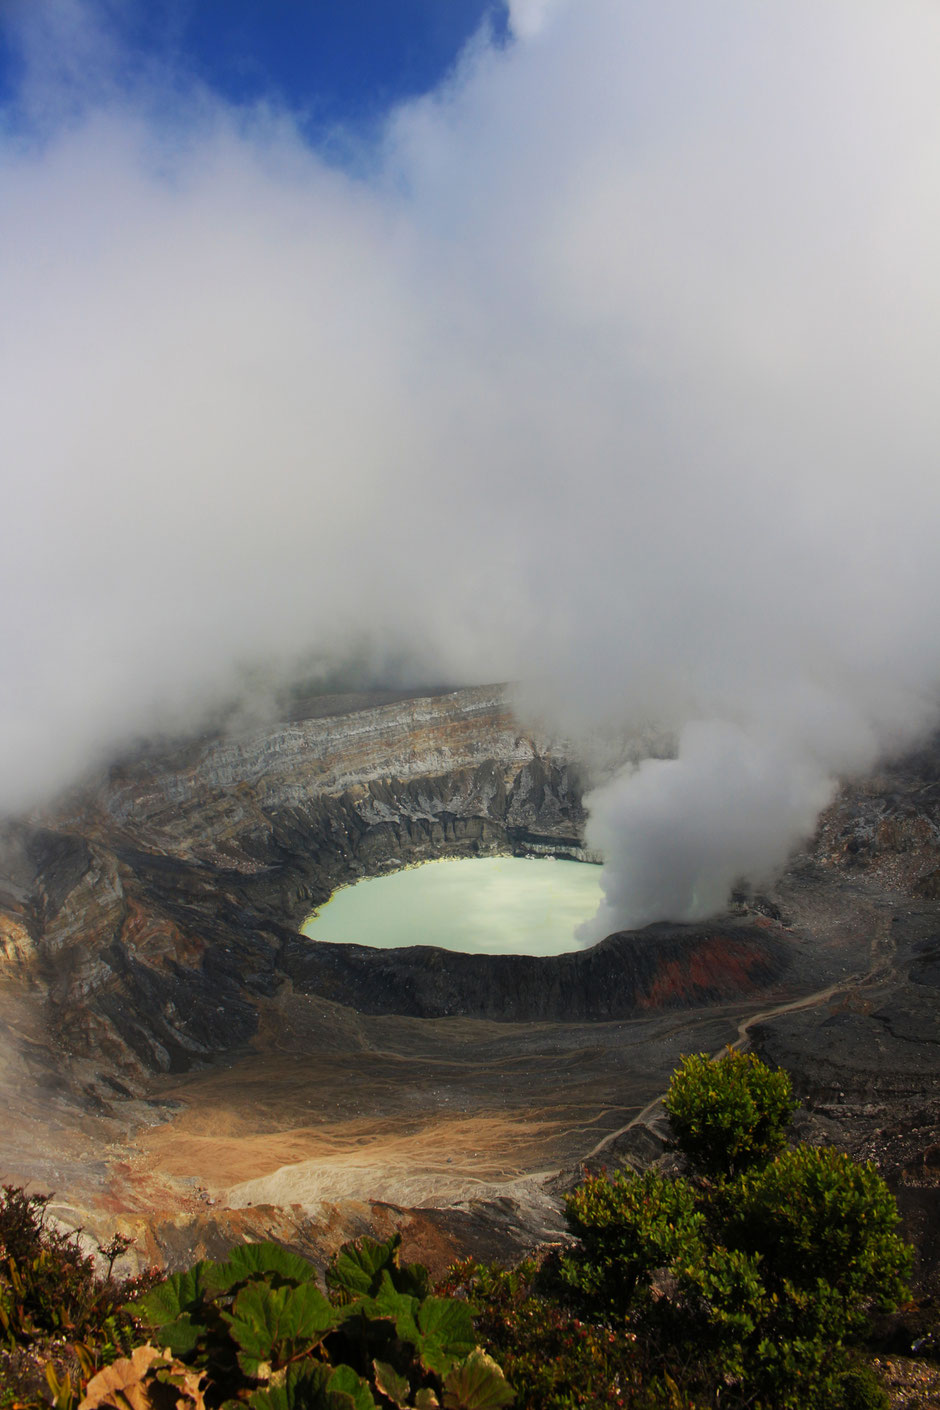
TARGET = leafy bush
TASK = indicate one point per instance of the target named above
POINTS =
(48, 1285)
(556, 1359)
(825, 1230)
(59, 1321)
(628, 1226)
(257, 1328)
(730, 1115)
(861, 1390)
(762, 1266)
(552, 1360)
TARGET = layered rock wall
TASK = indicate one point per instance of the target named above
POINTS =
(154, 905)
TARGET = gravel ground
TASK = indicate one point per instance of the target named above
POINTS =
(912, 1385)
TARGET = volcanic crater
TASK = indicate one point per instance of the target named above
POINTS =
(181, 1065)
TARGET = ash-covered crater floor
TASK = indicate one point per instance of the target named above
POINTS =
(180, 1064)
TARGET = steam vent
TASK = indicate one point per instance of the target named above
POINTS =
(182, 1065)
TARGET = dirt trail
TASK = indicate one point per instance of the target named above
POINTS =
(809, 1001)
(881, 969)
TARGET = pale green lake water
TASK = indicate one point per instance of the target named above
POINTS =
(478, 905)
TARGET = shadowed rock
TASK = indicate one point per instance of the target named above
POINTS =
(663, 966)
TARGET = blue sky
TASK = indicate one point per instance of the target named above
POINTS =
(333, 62)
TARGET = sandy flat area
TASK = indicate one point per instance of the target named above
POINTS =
(328, 1111)
(435, 1162)
(334, 1106)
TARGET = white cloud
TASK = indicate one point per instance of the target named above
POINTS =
(618, 373)
(528, 17)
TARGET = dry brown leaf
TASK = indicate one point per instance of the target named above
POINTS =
(190, 1383)
(123, 1378)
(129, 1384)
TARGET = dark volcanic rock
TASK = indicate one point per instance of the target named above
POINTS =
(663, 966)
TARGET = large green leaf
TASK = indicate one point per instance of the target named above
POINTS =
(303, 1388)
(440, 1329)
(275, 1325)
(268, 1261)
(411, 1278)
(400, 1307)
(358, 1267)
(448, 1321)
(347, 1391)
(182, 1336)
(477, 1383)
(182, 1292)
(391, 1384)
(369, 1329)
(446, 1333)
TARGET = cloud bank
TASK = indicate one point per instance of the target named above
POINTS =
(612, 369)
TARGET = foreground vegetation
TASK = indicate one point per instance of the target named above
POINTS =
(745, 1280)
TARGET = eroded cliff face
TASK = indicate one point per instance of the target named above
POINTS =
(153, 906)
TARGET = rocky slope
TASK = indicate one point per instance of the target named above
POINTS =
(153, 905)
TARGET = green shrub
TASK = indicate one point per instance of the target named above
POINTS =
(861, 1390)
(59, 1321)
(728, 1115)
(552, 1359)
(825, 1229)
(628, 1226)
(754, 1276)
